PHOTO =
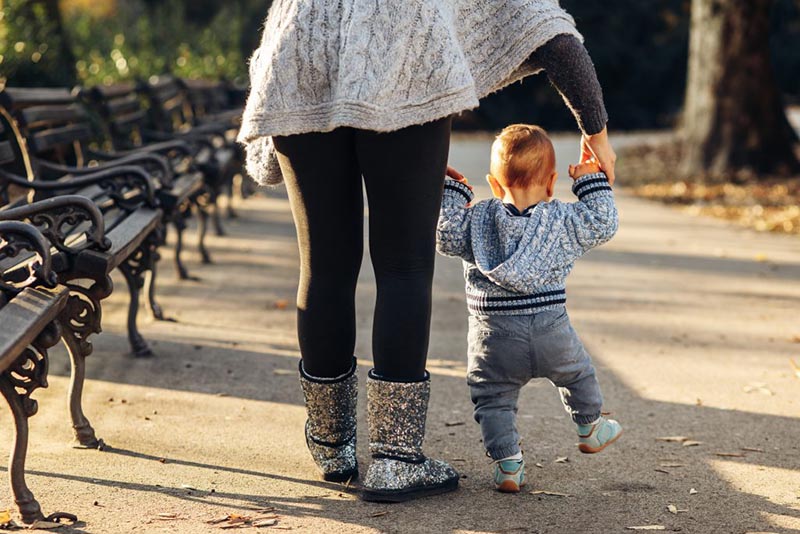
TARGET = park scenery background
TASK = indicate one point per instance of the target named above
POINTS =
(731, 156)
(689, 313)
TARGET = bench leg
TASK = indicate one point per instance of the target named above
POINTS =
(80, 319)
(150, 282)
(216, 214)
(231, 212)
(202, 223)
(133, 269)
(17, 383)
(179, 223)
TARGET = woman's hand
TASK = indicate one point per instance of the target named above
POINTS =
(599, 147)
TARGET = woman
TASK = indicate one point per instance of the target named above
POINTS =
(345, 89)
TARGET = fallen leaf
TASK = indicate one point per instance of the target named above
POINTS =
(673, 439)
(691, 443)
(647, 527)
(540, 466)
(672, 509)
(562, 460)
(378, 514)
(758, 387)
(167, 516)
(673, 464)
(550, 493)
(5, 517)
(458, 460)
(281, 304)
(730, 454)
(265, 523)
(662, 471)
(795, 339)
(455, 423)
(692, 491)
(752, 449)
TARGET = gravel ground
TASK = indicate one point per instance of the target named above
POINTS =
(692, 324)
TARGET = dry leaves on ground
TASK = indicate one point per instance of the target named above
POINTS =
(236, 521)
(765, 204)
(673, 439)
(759, 387)
(562, 460)
(796, 368)
(647, 527)
(550, 493)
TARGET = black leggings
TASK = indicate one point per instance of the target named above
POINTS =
(404, 173)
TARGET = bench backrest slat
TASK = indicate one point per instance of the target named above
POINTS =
(46, 140)
(42, 116)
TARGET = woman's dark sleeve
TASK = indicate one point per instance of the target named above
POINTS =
(572, 73)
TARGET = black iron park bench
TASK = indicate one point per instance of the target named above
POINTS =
(32, 305)
(74, 206)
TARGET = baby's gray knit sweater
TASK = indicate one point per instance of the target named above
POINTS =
(517, 264)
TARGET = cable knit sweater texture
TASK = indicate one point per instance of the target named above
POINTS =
(382, 66)
(518, 264)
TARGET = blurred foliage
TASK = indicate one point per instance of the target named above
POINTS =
(128, 40)
(639, 48)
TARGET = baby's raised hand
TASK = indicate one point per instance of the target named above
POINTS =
(582, 169)
(457, 176)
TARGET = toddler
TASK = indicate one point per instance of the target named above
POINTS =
(518, 249)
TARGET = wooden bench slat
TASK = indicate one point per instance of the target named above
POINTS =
(21, 97)
(47, 139)
(37, 116)
(125, 238)
(25, 316)
(123, 106)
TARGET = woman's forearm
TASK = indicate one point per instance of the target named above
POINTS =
(572, 73)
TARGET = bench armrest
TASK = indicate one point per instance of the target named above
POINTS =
(115, 181)
(16, 238)
(147, 161)
(51, 215)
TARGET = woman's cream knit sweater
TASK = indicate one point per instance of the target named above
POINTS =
(383, 65)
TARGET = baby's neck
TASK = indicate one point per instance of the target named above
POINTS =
(523, 198)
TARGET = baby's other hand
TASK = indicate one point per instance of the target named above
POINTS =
(582, 169)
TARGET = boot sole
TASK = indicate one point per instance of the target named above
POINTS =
(393, 496)
(340, 476)
(586, 449)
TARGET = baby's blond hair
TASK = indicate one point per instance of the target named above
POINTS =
(522, 155)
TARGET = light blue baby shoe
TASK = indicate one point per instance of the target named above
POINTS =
(509, 475)
(597, 436)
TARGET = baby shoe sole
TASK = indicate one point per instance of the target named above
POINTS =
(508, 486)
(587, 449)
(390, 496)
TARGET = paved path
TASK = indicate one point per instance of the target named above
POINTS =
(683, 316)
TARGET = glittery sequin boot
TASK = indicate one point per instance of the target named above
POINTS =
(399, 471)
(331, 424)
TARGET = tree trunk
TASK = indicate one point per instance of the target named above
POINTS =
(734, 121)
